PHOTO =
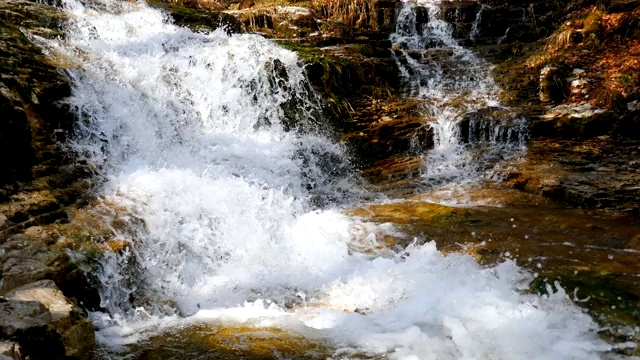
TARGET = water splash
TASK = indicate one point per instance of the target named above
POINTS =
(194, 138)
(455, 86)
(192, 131)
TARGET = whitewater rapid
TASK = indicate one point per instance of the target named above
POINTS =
(190, 131)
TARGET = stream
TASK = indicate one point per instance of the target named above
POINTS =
(245, 243)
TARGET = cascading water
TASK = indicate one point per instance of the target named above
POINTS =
(190, 131)
(457, 89)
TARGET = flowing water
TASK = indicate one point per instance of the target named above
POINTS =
(472, 130)
(239, 206)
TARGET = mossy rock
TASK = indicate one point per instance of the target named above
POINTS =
(593, 25)
(230, 342)
(37, 18)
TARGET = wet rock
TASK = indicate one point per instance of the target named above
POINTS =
(344, 75)
(15, 135)
(390, 137)
(29, 205)
(296, 15)
(36, 255)
(45, 292)
(76, 333)
(495, 125)
(589, 173)
(422, 18)
(34, 16)
(397, 176)
(461, 15)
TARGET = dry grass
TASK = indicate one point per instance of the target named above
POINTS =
(349, 12)
(559, 40)
(606, 46)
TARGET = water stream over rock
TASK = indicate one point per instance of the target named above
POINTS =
(239, 205)
(472, 130)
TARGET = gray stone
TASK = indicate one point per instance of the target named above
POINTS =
(25, 259)
(46, 292)
(21, 315)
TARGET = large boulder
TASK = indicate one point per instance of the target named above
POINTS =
(28, 324)
(76, 332)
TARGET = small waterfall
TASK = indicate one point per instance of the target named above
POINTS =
(197, 137)
(474, 27)
(234, 206)
(457, 88)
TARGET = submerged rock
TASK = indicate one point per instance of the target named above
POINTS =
(241, 342)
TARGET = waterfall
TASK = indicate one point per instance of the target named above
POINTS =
(238, 206)
(459, 95)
